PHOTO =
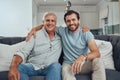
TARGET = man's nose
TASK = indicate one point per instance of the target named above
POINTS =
(71, 22)
(50, 22)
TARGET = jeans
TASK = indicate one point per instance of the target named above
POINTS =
(51, 72)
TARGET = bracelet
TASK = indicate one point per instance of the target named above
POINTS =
(86, 57)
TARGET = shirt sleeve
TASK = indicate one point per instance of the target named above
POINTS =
(60, 30)
(25, 50)
(88, 36)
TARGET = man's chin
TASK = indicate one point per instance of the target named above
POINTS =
(73, 29)
(51, 30)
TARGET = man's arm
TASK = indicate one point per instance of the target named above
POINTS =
(94, 53)
(85, 28)
(13, 72)
(33, 31)
(16, 61)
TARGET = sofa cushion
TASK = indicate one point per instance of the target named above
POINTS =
(112, 74)
(6, 54)
(4, 75)
(115, 40)
(83, 77)
(105, 49)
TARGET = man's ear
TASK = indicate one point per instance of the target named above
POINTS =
(79, 21)
(42, 21)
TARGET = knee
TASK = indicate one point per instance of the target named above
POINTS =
(65, 68)
(56, 66)
(20, 67)
(97, 62)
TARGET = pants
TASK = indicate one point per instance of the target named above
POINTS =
(52, 72)
(95, 66)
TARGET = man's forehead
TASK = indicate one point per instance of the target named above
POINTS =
(50, 15)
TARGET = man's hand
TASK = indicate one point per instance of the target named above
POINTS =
(32, 32)
(78, 63)
(14, 74)
(85, 29)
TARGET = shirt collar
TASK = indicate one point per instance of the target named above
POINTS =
(46, 34)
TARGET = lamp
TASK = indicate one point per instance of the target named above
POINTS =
(68, 5)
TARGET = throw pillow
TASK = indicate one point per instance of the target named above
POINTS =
(6, 54)
(105, 49)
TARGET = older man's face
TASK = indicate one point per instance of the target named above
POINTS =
(50, 22)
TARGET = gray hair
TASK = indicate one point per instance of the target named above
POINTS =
(48, 13)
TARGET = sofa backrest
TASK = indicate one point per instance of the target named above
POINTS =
(115, 41)
(11, 40)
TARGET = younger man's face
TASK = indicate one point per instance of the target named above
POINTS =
(72, 22)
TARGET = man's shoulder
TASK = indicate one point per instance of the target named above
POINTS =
(38, 33)
(87, 33)
(61, 28)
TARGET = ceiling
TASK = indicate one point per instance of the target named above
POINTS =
(63, 2)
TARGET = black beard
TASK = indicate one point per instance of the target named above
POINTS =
(73, 30)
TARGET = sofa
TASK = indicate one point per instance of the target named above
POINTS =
(110, 74)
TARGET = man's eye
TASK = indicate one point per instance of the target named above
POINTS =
(73, 20)
(47, 20)
(53, 21)
(68, 21)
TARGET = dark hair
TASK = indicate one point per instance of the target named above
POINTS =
(69, 12)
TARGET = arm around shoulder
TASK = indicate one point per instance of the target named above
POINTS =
(33, 31)
(38, 27)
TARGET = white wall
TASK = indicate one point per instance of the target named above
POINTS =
(103, 12)
(110, 10)
(89, 14)
(119, 12)
(114, 8)
(34, 13)
(15, 17)
(89, 19)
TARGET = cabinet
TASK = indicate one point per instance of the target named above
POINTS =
(113, 13)
(109, 18)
